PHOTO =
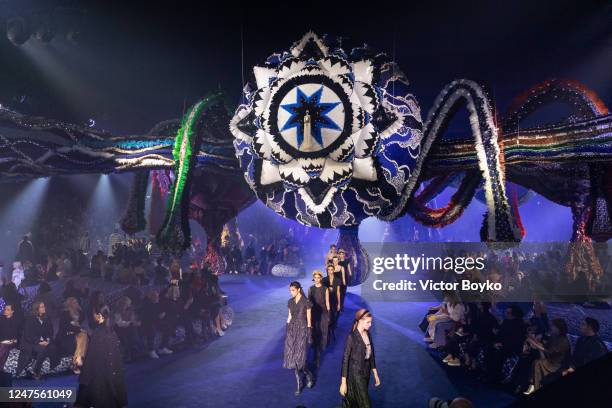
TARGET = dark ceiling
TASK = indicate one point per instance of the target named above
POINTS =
(140, 63)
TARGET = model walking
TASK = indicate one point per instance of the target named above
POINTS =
(357, 363)
(102, 382)
(330, 254)
(333, 283)
(340, 275)
(319, 298)
(345, 263)
(299, 331)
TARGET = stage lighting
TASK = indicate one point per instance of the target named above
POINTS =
(17, 30)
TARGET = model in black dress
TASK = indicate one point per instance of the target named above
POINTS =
(102, 383)
(333, 283)
(345, 262)
(299, 331)
(318, 294)
(357, 362)
(340, 275)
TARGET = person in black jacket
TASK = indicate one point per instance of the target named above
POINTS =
(37, 340)
(10, 332)
(508, 342)
(588, 347)
(357, 363)
(154, 318)
(102, 380)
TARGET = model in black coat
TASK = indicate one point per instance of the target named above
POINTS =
(102, 382)
(357, 362)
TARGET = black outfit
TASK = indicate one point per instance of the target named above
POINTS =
(151, 322)
(345, 264)
(588, 348)
(319, 318)
(482, 327)
(36, 330)
(10, 329)
(338, 278)
(128, 335)
(65, 340)
(356, 369)
(102, 383)
(296, 340)
(512, 334)
(176, 315)
(333, 304)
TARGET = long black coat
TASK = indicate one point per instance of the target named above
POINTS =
(356, 369)
(102, 382)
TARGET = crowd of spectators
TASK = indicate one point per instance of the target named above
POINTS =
(520, 351)
(259, 256)
(48, 309)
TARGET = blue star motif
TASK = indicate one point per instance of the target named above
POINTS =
(318, 115)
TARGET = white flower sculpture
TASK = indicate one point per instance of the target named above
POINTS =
(310, 121)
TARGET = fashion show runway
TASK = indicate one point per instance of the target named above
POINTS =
(244, 368)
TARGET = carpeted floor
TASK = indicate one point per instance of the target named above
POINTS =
(244, 368)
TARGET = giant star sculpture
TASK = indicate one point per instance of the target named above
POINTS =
(310, 105)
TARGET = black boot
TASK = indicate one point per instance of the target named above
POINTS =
(309, 378)
(298, 379)
(317, 358)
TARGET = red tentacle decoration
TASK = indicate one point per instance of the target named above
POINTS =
(440, 217)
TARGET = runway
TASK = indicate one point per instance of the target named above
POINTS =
(244, 368)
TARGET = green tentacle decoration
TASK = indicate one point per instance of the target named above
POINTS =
(134, 220)
(175, 235)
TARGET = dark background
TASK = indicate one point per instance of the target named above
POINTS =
(137, 62)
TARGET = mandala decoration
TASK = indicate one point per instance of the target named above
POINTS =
(328, 138)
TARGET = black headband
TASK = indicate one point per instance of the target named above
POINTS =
(365, 312)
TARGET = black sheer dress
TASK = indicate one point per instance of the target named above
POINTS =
(320, 316)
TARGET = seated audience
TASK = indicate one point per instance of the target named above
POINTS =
(478, 335)
(44, 295)
(450, 316)
(554, 354)
(71, 339)
(10, 332)
(155, 320)
(126, 326)
(588, 347)
(37, 341)
(508, 342)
